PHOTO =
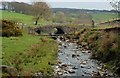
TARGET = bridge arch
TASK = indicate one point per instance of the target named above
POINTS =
(59, 30)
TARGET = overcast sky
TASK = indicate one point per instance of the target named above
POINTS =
(78, 4)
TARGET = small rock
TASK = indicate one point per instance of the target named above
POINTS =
(67, 40)
(58, 70)
(66, 58)
(93, 71)
(64, 65)
(65, 72)
(110, 74)
(71, 71)
(78, 59)
(80, 46)
(96, 75)
(68, 55)
(83, 51)
(59, 62)
(98, 68)
(86, 73)
(59, 51)
(73, 55)
(86, 47)
(82, 66)
(78, 55)
(89, 51)
(101, 73)
(60, 43)
(74, 68)
(88, 67)
(83, 62)
(59, 73)
(57, 67)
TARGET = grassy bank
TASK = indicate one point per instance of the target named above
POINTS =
(105, 46)
(27, 19)
(21, 18)
(29, 54)
(102, 16)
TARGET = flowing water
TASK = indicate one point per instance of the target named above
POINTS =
(73, 61)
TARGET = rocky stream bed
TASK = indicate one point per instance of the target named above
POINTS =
(74, 61)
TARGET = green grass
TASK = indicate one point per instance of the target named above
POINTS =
(103, 27)
(14, 46)
(28, 54)
(102, 17)
(27, 19)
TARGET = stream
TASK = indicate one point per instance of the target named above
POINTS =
(74, 61)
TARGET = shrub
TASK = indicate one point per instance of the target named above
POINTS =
(108, 46)
(92, 38)
(9, 28)
(105, 46)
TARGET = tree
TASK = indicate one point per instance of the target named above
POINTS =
(116, 5)
(19, 7)
(4, 5)
(41, 10)
(61, 18)
(83, 19)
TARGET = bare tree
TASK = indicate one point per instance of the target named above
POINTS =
(116, 5)
(4, 5)
(61, 17)
(40, 10)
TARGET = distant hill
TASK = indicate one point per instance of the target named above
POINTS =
(97, 15)
(70, 10)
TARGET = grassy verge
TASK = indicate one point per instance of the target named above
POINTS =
(29, 54)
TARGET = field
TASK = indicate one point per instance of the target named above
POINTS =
(21, 18)
(102, 17)
(27, 19)
(28, 54)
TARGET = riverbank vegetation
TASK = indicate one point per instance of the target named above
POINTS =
(104, 44)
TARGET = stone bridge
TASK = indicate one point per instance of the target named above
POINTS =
(55, 29)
